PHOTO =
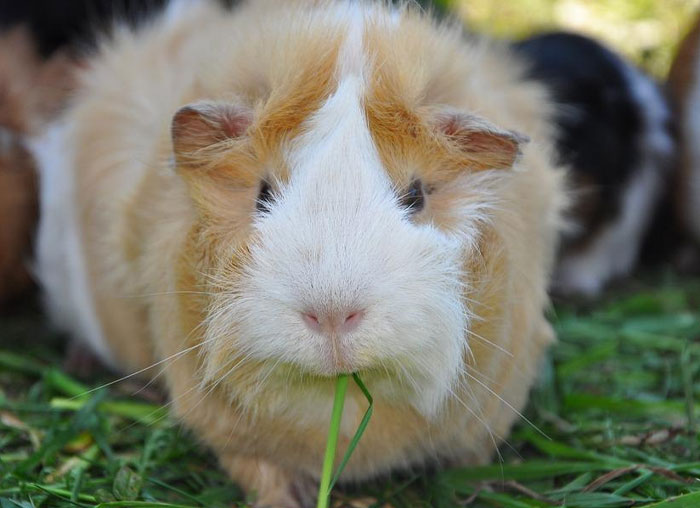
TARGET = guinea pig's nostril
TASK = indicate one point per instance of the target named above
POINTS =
(311, 321)
(352, 320)
(333, 323)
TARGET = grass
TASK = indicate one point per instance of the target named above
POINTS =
(618, 401)
(645, 31)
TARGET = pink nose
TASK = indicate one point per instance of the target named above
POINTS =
(332, 324)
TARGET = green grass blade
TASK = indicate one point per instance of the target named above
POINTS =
(687, 501)
(360, 429)
(148, 414)
(140, 504)
(324, 490)
(531, 470)
(327, 484)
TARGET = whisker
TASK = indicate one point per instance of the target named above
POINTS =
(509, 405)
(487, 341)
(167, 293)
(186, 392)
(163, 369)
(141, 371)
(481, 420)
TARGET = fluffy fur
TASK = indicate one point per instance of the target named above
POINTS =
(339, 107)
(614, 132)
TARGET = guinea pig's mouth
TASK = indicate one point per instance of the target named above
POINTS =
(389, 383)
(273, 382)
(329, 368)
(334, 362)
(295, 373)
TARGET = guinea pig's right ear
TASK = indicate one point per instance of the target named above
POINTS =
(202, 124)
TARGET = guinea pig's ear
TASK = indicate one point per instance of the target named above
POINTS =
(482, 144)
(202, 124)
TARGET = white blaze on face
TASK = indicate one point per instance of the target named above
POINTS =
(336, 241)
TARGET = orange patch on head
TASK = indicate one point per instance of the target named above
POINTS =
(417, 137)
(433, 143)
(303, 92)
(242, 144)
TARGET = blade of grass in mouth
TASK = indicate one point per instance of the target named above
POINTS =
(328, 481)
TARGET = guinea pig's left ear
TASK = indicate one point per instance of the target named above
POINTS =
(202, 124)
(482, 144)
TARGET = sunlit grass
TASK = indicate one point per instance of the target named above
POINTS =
(646, 31)
(618, 401)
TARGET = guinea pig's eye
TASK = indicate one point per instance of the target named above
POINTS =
(264, 197)
(414, 199)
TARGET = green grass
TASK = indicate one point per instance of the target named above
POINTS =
(645, 31)
(618, 401)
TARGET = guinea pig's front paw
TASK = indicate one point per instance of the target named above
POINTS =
(304, 490)
(272, 486)
(300, 492)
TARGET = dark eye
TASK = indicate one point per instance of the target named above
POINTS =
(414, 199)
(264, 197)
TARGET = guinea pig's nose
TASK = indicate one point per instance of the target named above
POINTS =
(333, 323)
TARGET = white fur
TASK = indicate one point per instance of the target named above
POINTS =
(615, 249)
(60, 263)
(340, 240)
(178, 10)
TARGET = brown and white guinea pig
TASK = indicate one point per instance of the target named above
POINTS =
(18, 209)
(259, 200)
(684, 84)
(31, 90)
(614, 133)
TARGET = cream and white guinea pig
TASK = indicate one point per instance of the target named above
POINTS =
(614, 134)
(258, 200)
(684, 84)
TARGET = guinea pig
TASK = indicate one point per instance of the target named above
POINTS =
(31, 90)
(17, 214)
(259, 200)
(614, 134)
(684, 86)
(72, 23)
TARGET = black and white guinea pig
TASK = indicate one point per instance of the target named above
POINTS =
(614, 133)
(70, 23)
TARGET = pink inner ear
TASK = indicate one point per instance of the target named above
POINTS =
(450, 125)
(488, 145)
(235, 121)
(199, 125)
(481, 141)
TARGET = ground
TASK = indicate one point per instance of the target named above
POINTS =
(614, 422)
